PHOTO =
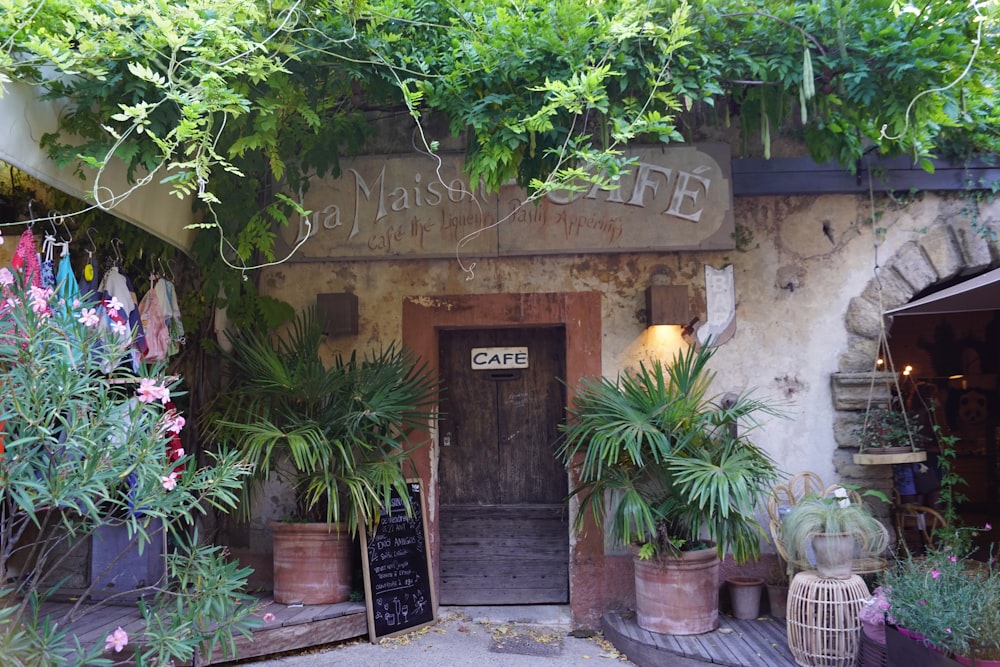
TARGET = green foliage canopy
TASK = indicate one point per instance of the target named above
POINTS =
(226, 100)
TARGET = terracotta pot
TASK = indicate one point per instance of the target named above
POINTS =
(777, 599)
(834, 554)
(312, 563)
(678, 596)
(744, 593)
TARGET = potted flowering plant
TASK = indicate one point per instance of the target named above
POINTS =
(947, 602)
(85, 447)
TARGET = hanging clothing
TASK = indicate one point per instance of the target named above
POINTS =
(47, 263)
(161, 319)
(66, 285)
(90, 283)
(155, 325)
(117, 285)
(26, 259)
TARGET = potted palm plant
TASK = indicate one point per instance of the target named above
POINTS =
(686, 479)
(335, 433)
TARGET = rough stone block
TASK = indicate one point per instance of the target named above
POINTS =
(974, 244)
(858, 391)
(889, 289)
(943, 251)
(863, 318)
(860, 355)
(913, 266)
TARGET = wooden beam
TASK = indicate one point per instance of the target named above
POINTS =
(799, 176)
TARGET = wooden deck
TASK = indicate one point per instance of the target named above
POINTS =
(736, 643)
(293, 628)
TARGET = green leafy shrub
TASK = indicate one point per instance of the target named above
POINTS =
(85, 435)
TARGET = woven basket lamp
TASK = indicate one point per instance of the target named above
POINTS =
(822, 622)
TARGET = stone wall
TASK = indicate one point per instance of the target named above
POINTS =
(807, 301)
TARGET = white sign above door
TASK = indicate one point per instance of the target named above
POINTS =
(499, 358)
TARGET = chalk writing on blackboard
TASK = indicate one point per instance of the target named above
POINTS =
(399, 590)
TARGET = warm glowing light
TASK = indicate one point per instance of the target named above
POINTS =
(907, 370)
(880, 362)
(665, 339)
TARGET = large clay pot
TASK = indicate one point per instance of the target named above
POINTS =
(312, 563)
(834, 554)
(678, 596)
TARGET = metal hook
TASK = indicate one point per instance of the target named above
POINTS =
(58, 219)
(31, 212)
(93, 246)
(116, 246)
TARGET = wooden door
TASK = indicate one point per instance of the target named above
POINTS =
(504, 527)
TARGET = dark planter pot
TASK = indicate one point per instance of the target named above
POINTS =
(903, 651)
(312, 563)
(119, 569)
(678, 596)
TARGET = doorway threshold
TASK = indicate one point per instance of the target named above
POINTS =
(552, 616)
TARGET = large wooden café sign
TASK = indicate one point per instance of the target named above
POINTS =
(415, 206)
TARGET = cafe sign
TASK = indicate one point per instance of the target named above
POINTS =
(499, 358)
(673, 198)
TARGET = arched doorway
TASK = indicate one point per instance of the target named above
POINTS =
(953, 354)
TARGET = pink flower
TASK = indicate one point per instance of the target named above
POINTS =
(987, 526)
(88, 317)
(120, 328)
(114, 304)
(174, 422)
(149, 391)
(268, 617)
(117, 640)
(923, 602)
(169, 482)
(948, 630)
(40, 300)
(935, 573)
(953, 559)
(6, 277)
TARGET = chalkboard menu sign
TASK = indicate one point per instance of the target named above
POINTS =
(399, 592)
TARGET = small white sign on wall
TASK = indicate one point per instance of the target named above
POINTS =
(499, 358)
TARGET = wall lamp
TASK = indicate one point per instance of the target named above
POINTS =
(667, 304)
(338, 312)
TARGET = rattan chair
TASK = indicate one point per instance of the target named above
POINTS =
(915, 527)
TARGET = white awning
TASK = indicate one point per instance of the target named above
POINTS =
(24, 117)
(975, 294)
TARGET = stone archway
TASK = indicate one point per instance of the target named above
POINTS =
(949, 248)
